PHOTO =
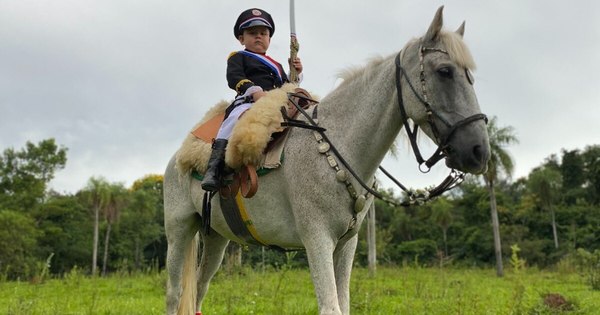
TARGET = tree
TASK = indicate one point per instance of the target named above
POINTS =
(545, 183)
(442, 216)
(572, 171)
(151, 241)
(591, 157)
(117, 200)
(151, 182)
(96, 195)
(139, 230)
(501, 163)
(25, 174)
(17, 244)
(63, 224)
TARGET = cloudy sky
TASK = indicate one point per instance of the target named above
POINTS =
(121, 82)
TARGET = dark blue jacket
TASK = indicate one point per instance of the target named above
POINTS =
(246, 69)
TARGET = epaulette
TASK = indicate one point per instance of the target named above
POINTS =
(231, 54)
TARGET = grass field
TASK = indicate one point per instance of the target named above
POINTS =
(403, 290)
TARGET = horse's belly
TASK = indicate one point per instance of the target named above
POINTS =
(268, 217)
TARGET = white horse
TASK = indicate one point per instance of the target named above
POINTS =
(302, 204)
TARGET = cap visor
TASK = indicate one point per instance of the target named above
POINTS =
(255, 23)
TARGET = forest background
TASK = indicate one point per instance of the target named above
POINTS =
(106, 227)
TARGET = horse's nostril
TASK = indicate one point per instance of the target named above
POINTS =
(478, 153)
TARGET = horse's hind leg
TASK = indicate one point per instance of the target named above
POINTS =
(212, 255)
(342, 258)
(182, 222)
(180, 233)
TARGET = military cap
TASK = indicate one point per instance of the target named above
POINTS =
(253, 17)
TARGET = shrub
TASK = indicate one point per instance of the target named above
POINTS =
(420, 250)
(17, 244)
(589, 264)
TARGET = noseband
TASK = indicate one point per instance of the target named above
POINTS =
(442, 140)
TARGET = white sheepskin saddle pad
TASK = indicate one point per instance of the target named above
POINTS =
(249, 137)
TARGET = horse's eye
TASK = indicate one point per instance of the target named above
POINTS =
(445, 72)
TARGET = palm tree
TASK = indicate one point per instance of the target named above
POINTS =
(501, 163)
(442, 216)
(96, 194)
(545, 184)
(112, 211)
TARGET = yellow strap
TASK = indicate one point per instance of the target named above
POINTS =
(247, 221)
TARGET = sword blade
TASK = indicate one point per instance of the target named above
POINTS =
(292, 19)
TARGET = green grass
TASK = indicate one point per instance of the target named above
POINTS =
(393, 291)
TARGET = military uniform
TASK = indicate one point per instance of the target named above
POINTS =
(245, 70)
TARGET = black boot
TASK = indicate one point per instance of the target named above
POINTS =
(212, 177)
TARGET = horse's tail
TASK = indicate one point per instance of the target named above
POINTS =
(189, 291)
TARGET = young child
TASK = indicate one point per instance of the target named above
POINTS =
(250, 72)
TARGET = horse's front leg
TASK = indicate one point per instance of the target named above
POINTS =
(343, 257)
(319, 250)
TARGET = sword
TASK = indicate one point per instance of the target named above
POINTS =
(294, 46)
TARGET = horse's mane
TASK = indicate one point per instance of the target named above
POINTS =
(355, 71)
(453, 43)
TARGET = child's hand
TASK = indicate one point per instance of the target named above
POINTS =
(297, 64)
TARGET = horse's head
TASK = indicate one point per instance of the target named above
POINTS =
(437, 89)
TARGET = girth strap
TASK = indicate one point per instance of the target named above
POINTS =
(237, 219)
(239, 222)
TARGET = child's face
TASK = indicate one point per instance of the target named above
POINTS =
(256, 39)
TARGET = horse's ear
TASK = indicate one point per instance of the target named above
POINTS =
(461, 29)
(436, 25)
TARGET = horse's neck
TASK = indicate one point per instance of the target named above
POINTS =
(362, 116)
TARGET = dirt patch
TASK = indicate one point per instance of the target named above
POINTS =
(555, 301)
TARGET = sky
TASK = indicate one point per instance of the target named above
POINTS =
(121, 82)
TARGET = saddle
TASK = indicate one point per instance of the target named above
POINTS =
(265, 121)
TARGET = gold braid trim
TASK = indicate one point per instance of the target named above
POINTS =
(242, 82)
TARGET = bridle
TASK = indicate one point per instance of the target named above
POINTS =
(442, 140)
